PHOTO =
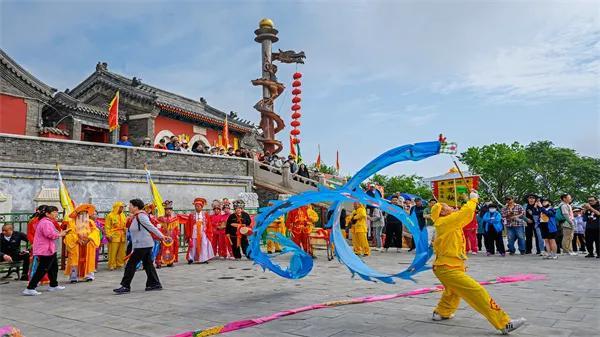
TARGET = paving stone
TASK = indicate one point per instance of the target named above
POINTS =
(561, 305)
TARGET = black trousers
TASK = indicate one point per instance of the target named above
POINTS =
(529, 236)
(243, 245)
(480, 238)
(592, 236)
(581, 238)
(22, 257)
(559, 238)
(393, 235)
(493, 241)
(144, 255)
(46, 264)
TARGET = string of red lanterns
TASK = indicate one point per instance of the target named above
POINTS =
(296, 99)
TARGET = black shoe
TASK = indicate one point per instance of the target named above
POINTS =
(158, 266)
(122, 290)
(190, 261)
(170, 265)
(24, 278)
(74, 281)
(590, 255)
(153, 288)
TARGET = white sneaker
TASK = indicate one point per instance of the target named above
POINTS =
(513, 325)
(473, 253)
(573, 254)
(57, 288)
(437, 317)
(544, 253)
(31, 292)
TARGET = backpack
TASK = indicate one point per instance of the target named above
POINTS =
(559, 216)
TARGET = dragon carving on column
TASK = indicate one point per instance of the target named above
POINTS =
(271, 123)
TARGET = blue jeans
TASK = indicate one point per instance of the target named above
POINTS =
(377, 233)
(538, 239)
(516, 233)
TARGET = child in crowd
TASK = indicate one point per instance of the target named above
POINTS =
(579, 231)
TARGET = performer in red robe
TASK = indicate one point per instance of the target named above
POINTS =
(300, 222)
(168, 225)
(220, 241)
(198, 232)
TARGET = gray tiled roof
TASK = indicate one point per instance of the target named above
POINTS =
(26, 76)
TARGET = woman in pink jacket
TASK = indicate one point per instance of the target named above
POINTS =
(45, 250)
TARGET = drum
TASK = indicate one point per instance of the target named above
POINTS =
(245, 230)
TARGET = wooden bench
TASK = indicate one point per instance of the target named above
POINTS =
(10, 268)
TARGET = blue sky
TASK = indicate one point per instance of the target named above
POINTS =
(378, 73)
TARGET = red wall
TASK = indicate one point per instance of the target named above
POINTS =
(13, 115)
(179, 127)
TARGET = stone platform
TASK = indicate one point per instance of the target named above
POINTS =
(567, 303)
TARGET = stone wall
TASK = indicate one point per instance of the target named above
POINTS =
(103, 186)
(102, 173)
(22, 149)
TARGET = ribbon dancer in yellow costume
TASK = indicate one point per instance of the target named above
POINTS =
(360, 244)
(278, 226)
(449, 267)
(81, 243)
(115, 227)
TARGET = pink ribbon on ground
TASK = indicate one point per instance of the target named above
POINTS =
(246, 323)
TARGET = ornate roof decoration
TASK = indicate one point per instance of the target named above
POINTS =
(70, 103)
(56, 131)
(26, 76)
(185, 107)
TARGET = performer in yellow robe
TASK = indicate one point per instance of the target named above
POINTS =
(115, 227)
(449, 268)
(81, 243)
(278, 226)
(360, 244)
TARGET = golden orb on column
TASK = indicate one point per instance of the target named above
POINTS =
(266, 23)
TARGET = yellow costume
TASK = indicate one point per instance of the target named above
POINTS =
(360, 244)
(278, 226)
(81, 243)
(115, 227)
(449, 267)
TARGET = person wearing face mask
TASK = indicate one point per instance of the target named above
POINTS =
(492, 226)
(548, 226)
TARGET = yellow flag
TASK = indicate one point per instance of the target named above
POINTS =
(156, 197)
(65, 199)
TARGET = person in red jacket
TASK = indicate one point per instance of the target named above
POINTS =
(470, 232)
(198, 232)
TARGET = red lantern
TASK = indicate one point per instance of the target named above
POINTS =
(297, 76)
(296, 91)
(296, 84)
(295, 132)
(296, 107)
(296, 115)
(296, 140)
(295, 123)
(296, 99)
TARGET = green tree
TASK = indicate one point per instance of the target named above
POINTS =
(324, 168)
(412, 184)
(539, 167)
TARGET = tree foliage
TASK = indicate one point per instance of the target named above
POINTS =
(324, 168)
(412, 184)
(539, 167)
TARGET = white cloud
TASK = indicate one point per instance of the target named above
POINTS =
(563, 63)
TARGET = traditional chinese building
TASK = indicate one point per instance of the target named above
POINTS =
(30, 107)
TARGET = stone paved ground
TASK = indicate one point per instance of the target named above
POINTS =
(200, 296)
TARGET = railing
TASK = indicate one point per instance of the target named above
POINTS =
(20, 220)
(286, 175)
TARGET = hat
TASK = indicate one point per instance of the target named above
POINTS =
(89, 208)
(239, 204)
(147, 138)
(436, 210)
(199, 201)
(149, 208)
(216, 204)
(168, 204)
